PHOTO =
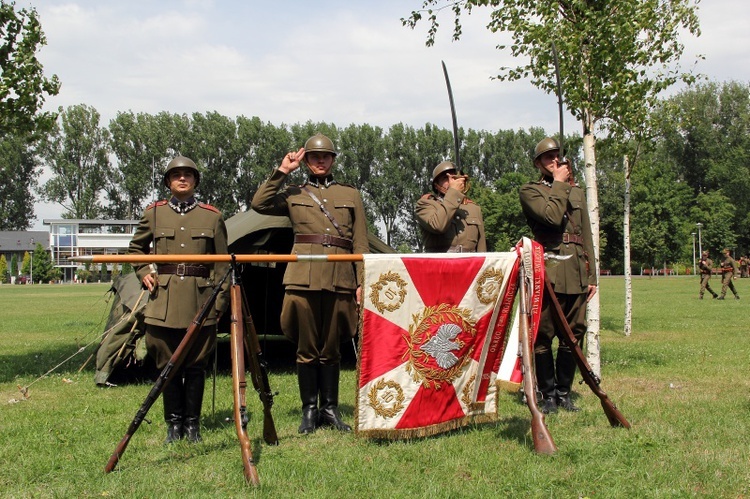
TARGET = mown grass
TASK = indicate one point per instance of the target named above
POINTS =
(681, 379)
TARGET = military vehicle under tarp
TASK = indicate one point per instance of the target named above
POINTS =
(247, 233)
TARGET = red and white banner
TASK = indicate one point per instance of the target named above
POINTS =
(435, 330)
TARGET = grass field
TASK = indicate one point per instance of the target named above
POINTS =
(681, 379)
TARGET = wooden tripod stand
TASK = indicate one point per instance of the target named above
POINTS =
(244, 347)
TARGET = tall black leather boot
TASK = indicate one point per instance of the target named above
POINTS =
(307, 378)
(195, 382)
(544, 364)
(329, 398)
(566, 370)
(173, 409)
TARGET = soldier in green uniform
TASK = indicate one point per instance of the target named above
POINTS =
(705, 266)
(320, 298)
(181, 225)
(729, 272)
(449, 221)
(555, 209)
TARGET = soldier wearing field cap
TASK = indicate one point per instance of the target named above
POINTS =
(449, 221)
(181, 225)
(705, 266)
(320, 298)
(729, 271)
(555, 209)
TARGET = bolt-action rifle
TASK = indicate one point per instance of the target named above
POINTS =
(166, 374)
(565, 335)
(543, 443)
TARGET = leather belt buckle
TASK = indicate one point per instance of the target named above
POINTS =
(180, 270)
(566, 238)
(326, 240)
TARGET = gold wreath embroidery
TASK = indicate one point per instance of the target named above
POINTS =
(488, 285)
(386, 398)
(466, 392)
(418, 359)
(388, 293)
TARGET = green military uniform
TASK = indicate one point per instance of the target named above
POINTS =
(729, 271)
(319, 308)
(559, 219)
(451, 223)
(705, 266)
(182, 228)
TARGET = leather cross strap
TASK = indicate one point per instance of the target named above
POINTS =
(324, 239)
(325, 212)
(183, 269)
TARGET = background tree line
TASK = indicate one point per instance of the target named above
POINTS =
(693, 170)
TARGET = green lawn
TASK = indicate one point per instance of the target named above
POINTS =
(681, 379)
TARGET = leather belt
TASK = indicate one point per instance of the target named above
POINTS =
(324, 239)
(565, 238)
(183, 269)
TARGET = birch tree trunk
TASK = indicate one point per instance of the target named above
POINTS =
(628, 328)
(593, 355)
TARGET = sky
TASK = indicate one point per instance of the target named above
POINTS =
(290, 61)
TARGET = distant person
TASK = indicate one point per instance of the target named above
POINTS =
(555, 209)
(705, 267)
(729, 272)
(449, 221)
(320, 298)
(181, 225)
(744, 263)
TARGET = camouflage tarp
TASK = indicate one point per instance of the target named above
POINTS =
(122, 337)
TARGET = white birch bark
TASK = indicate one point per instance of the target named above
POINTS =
(593, 355)
(628, 328)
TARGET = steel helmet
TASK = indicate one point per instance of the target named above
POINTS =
(441, 168)
(545, 145)
(181, 162)
(319, 143)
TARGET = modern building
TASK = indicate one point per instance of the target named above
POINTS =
(72, 237)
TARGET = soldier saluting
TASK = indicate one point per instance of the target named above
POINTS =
(449, 221)
(320, 299)
(555, 209)
(181, 225)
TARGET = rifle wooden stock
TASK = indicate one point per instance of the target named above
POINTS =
(166, 374)
(565, 334)
(239, 384)
(259, 375)
(265, 258)
(543, 443)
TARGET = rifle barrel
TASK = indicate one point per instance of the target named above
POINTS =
(357, 257)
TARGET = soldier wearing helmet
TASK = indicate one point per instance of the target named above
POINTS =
(705, 267)
(449, 222)
(555, 209)
(729, 271)
(320, 299)
(181, 225)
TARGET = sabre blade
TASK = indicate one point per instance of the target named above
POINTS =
(453, 116)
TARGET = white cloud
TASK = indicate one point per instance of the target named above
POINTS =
(290, 61)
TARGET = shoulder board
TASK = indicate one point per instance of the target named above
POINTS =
(157, 203)
(209, 207)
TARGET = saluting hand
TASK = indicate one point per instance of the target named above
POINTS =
(292, 160)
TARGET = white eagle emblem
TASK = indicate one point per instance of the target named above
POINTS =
(439, 346)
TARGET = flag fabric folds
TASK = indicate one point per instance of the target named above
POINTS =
(434, 332)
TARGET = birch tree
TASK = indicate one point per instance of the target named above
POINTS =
(615, 57)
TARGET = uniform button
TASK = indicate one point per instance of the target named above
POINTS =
(182, 245)
(203, 233)
(328, 230)
(325, 200)
(182, 228)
